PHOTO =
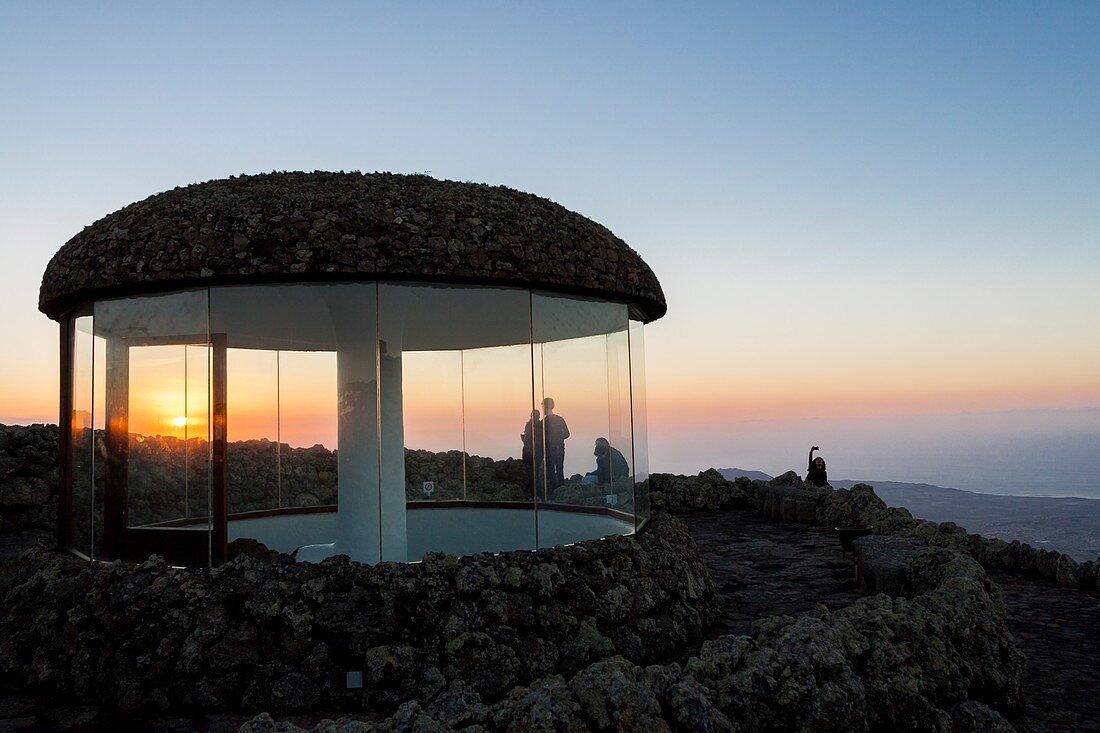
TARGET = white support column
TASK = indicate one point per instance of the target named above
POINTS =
(395, 544)
(359, 520)
(371, 520)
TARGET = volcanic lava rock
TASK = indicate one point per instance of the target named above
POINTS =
(28, 478)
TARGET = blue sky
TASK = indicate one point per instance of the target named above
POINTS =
(855, 209)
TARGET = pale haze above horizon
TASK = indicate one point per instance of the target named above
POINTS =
(877, 226)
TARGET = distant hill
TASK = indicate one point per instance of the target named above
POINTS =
(731, 473)
(1070, 525)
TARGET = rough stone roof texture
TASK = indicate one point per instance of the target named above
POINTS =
(283, 227)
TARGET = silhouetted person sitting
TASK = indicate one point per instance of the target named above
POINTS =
(533, 455)
(556, 431)
(815, 470)
(610, 464)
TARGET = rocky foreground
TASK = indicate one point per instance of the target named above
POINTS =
(630, 633)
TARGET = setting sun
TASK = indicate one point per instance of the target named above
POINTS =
(179, 421)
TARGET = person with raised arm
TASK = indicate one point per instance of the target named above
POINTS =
(815, 470)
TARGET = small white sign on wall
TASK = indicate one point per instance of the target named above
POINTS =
(429, 488)
(612, 499)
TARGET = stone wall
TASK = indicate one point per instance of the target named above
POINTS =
(940, 659)
(860, 505)
(788, 498)
(265, 633)
(28, 478)
(933, 654)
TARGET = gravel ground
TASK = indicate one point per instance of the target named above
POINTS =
(765, 568)
(1059, 631)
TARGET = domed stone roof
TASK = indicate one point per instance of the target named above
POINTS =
(305, 227)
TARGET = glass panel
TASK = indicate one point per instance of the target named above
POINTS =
(434, 453)
(252, 426)
(196, 429)
(455, 394)
(581, 370)
(99, 450)
(619, 456)
(639, 420)
(307, 428)
(504, 446)
(82, 447)
(155, 406)
(572, 378)
(282, 411)
(160, 466)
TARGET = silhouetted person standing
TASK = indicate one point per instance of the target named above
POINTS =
(533, 455)
(815, 470)
(556, 432)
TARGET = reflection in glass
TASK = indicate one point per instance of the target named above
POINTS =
(196, 429)
(252, 428)
(496, 396)
(618, 458)
(166, 477)
(379, 421)
(82, 436)
(99, 448)
(639, 419)
(155, 393)
(307, 428)
(582, 381)
(435, 466)
(282, 414)
(457, 362)
(572, 376)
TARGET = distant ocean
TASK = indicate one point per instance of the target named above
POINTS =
(1048, 453)
(1067, 465)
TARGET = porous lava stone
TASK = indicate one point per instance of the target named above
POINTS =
(309, 227)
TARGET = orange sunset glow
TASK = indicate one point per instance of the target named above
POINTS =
(874, 238)
(475, 400)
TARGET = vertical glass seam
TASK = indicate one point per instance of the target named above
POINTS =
(462, 412)
(91, 475)
(378, 413)
(610, 434)
(542, 383)
(633, 438)
(534, 453)
(186, 412)
(210, 436)
(278, 429)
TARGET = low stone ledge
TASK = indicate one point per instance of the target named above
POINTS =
(788, 498)
(706, 491)
(882, 563)
(269, 633)
(861, 505)
(786, 503)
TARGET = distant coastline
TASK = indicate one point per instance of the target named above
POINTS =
(1066, 524)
